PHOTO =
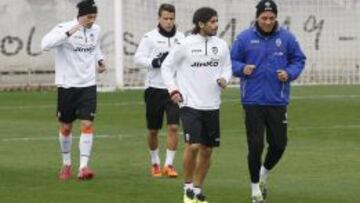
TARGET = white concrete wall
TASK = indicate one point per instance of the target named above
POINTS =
(23, 24)
(332, 48)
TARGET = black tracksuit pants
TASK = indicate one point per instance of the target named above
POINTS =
(273, 119)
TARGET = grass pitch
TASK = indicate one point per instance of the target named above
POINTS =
(321, 164)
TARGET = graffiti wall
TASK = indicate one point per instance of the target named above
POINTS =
(327, 30)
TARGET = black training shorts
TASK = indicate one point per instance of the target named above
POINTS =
(201, 126)
(76, 103)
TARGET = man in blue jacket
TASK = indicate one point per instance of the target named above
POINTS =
(266, 58)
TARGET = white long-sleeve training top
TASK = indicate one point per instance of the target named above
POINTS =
(75, 56)
(194, 66)
(152, 45)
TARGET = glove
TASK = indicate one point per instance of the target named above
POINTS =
(156, 62)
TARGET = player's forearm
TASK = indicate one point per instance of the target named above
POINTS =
(52, 40)
(168, 77)
(142, 60)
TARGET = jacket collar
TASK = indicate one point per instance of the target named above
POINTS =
(166, 33)
(75, 22)
(202, 38)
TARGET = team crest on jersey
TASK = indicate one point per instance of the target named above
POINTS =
(214, 50)
(92, 37)
(278, 42)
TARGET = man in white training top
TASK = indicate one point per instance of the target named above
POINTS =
(153, 49)
(77, 55)
(195, 72)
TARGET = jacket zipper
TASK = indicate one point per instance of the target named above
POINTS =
(206, 41)
(243, 89)
(169, 43)
(282, 90)
(85, 35)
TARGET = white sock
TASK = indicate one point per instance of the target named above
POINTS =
(170, 155)
(255, 189)
(264, 173)
(155, 159)
(65, 147)
(85, 145)
(197, 190)
(188, 186)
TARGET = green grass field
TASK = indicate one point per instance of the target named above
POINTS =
(321, 164)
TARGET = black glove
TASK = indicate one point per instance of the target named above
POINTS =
(156, 62)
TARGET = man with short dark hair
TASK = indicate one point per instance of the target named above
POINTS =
(77, 46)
(266, 58)
(153, 49)
(195, 72)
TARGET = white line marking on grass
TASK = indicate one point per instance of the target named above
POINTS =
(336, 96)
(27, 139)
(314, 97)
(326, 127)
(163, 134)
(52, 106)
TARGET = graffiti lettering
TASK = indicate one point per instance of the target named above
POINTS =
(11, 46)
(232, 27)
(128, 40)
(311, 25)
(29, 43)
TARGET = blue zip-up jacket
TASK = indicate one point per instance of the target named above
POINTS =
(280, 50)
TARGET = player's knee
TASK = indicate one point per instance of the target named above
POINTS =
(255, 151)
(153, 133)
(205, 151)
(173, 128)
(280, 148)
(65, 130)
(87, 128)
(256, 147)
(194, 147)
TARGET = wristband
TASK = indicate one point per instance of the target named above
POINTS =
(174, 92)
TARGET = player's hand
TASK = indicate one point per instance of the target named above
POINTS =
(156, 62)
(101, 66)
(176, 97)
(221, 82)
(74, 29)
(248, 69)
(282, 75)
